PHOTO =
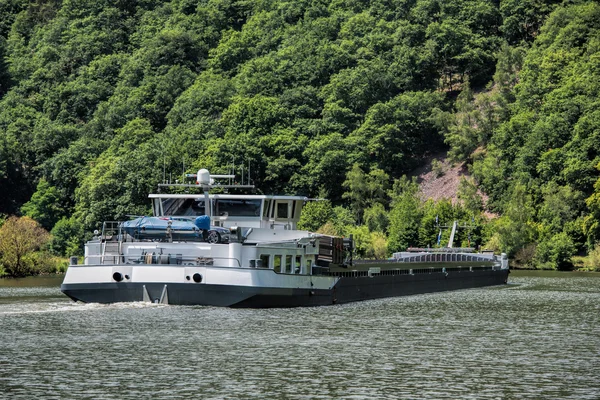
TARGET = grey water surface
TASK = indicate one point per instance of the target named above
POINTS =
(536, 338)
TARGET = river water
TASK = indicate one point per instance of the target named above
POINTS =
(537, 337)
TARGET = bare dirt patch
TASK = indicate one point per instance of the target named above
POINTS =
(439, 179)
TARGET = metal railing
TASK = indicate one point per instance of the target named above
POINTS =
(404, 271)
(154, 259)
(431, 258)
(111, 230)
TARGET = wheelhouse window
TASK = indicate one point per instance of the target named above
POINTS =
(265, 258)
(308, 265)
(183, 207)
(277, 263)
(238, 208)
(282, 210)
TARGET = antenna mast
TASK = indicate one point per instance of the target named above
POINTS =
(205, 181)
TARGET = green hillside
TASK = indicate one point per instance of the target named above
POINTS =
(332, 98)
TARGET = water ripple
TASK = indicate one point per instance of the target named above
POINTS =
(536, 338)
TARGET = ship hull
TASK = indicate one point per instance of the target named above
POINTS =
(337, 291)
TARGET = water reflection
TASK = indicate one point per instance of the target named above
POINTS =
(535, 338)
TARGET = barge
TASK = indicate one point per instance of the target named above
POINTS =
(246, 251)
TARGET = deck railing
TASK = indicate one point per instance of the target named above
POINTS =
(412, 271)
(150, 259)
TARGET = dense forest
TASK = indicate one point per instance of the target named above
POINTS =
(338, 99)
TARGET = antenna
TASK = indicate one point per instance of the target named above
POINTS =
(205, 181)
(451, 241)
(455, 225)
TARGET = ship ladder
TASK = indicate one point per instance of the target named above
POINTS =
(111, 253)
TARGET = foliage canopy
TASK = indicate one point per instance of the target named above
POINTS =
(99, 100)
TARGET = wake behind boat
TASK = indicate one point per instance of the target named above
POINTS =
(246, 251)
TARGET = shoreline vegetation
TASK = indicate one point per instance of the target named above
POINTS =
(338, 100)
(24, 249)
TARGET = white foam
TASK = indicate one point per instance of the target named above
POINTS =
(37, 308)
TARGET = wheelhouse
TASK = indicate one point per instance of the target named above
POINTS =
(228, 210)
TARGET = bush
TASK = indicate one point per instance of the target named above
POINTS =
(378, 248)
(377, 218)
(315, 214)
(437, 168)
(46, 263)
(343, 221)
(525, 257)
(20, 238)
(592, 261)
(367, 244)
(328, 229)
(362, 241)
(555, 253)
(67, 237)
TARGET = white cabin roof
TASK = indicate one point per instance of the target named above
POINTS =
(225, 196)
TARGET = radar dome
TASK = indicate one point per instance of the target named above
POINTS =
(203, 177)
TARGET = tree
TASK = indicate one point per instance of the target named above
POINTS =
(5, 80)
(120, 179)
(514, 228)
(593, 261)
(376, 218)
(378, 245)
(357, 89)
(462, 134)
(356, 190)
(326, 167)
(45, 205)
(19, 238)
(397, 133)
(522, 19)
(362, 240)
(467, 193)
(405, 215)
(343, 221)
(365, 190)
(556, 252)
(67, 237)
(591, 224)
(315, 214)
(561, 205)
(367, 244)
